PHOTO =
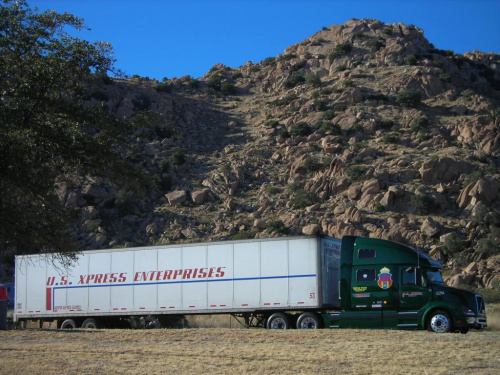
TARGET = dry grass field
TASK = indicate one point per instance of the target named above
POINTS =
(241, 351)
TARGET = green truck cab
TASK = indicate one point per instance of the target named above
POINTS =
(388, 285)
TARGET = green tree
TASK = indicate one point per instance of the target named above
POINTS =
(46, 129)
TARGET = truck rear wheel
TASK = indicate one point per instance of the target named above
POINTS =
(439, 322)
(68, 324)
(308, 320)
(90, 323)
(278, 321)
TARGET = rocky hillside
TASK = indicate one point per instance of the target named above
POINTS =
(361, 129)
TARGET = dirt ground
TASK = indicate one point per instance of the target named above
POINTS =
(230, 351)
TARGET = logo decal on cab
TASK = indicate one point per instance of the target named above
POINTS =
(385, 278)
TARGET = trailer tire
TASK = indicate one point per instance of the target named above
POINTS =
(439, 322)
(90, 323)
(308, 320)
(278, 321)
(68, 324)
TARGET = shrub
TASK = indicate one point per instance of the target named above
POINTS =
(328, 115)
(331, 128)
(321, 105)
(419, 123)
(100, 95)
(376, 45)
(293, 81)
(300, 129)
(302, 199)
(453, 245)
(386, 124)
(284, 133)
(490, 245)
(237, 75)
(339, 50)
(409, 98)
(178, 157)
(312, 79)
(162, 182)
(390, 138)
(243, 235)
(283, 101)
(269, 61)
(340, 68)
(215, 82)
(227, 88)
(423, 203)
(272, 190)
(163, 87)
(410, 60)
(276, 226)
(164, 165)
(272, 123)
(357, 173)
(387, 31)
(312, 164)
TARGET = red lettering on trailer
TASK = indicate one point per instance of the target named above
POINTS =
(82, 279)
(211, 272)
(202, 273)
(220, 272)
(177, 273)
(105, 279)
(159, 275)
(48, 299)
(51, 280)
(168, 275)
(123, 277)
(98, 278)
(187, 273)
(90, 277)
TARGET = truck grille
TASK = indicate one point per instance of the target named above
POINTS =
(481, 308)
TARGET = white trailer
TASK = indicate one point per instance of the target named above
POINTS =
(261, 280)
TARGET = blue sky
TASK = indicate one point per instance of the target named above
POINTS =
(173, 38)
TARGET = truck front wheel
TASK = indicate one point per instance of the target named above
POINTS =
(308, 320)
(439, 322)
(278, 321)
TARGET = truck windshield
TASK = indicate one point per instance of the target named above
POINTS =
(434, 277)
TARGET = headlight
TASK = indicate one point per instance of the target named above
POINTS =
(471, 320)
(468, 312)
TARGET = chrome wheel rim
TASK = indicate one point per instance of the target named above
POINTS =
(278, 323)
(440, 323)
(308, 323)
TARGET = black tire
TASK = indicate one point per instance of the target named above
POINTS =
(464, 330)
(90, 323)
(439, 321)
(308, 320)
(68, 324)
(278, 321)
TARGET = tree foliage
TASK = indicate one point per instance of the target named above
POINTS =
(47, 129)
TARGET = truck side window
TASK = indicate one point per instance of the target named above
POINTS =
(412, 276)
(367, 253)
(365, 275)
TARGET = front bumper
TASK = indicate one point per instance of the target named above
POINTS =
(477, 322)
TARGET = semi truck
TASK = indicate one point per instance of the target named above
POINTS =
(277, 283)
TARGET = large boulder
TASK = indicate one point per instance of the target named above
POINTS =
(439, 170)
(176, 197)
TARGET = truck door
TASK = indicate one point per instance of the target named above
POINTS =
(413, 293)
(373, 289)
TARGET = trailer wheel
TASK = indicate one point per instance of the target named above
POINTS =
(68, 324)
(90, 323)
(308, 320)
(439, 322)
(278, 321)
